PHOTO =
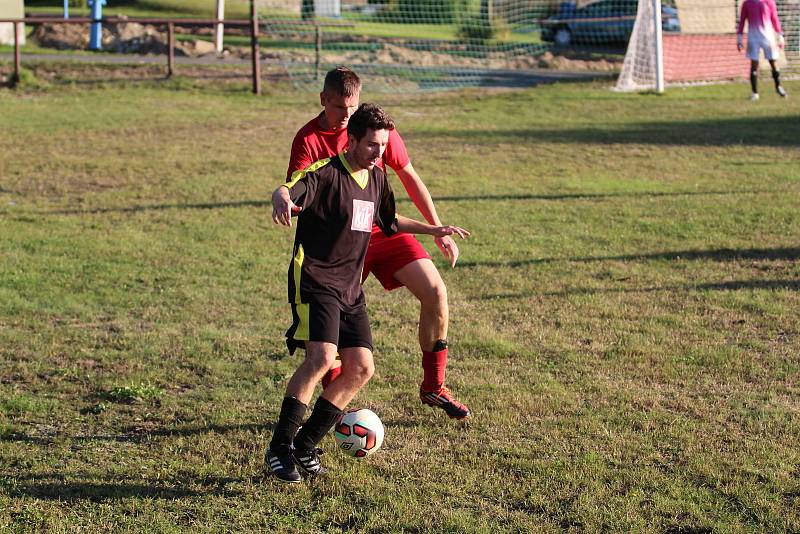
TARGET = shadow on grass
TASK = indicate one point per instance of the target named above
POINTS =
(64, 487)
(401, 200)
(719, 255)
(734, 285)
(159, 207)
(601, 196)
(135, 435)
(776, 131)
(155, 78)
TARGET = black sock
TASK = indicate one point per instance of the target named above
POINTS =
(292, 413)
(321, 420)
(754, 80)
(776, 75)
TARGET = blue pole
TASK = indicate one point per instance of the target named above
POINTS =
(66, 9)
(96, 36)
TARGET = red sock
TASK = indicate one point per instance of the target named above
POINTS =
(433, 368)
(330, 376)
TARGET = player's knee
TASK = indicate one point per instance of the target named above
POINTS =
(367, 371)
(321, 359)
(435, 295)
(361, 371)
(440, 297)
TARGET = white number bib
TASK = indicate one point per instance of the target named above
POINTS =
(363, 214)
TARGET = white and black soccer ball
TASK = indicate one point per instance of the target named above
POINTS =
(359, 433)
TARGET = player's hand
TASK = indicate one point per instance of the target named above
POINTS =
(739, 43)
(781, 41)
(448, 247)
(442, 231)
(283, 207)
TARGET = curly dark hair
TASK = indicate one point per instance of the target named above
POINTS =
(368, 116)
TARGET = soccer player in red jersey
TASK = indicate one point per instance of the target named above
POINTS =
(399, 260)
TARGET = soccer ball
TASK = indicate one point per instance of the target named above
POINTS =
(359, 433)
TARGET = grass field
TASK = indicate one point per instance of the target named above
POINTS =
(624, 318)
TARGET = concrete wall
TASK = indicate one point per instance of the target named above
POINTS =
(707, 16)
(10, 9)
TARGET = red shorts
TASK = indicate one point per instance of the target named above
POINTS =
(387, 255)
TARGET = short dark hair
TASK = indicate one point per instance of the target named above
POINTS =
(342, 81)
(368, 116)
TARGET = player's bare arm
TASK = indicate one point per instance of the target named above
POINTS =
(404, 224)
(421, 197)
(283, 207)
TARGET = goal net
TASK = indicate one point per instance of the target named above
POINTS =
(413, 45)
(704, 49)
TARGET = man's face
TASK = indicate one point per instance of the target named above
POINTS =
(338, 108)
(367, 151)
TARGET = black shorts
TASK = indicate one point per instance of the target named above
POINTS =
(326, 320)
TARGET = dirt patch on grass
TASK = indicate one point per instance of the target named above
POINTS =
(128, 38)
(135, 38)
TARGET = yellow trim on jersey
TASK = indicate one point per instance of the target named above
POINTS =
(361, 177)
(301, 333)
(298, 269)
(297, 175)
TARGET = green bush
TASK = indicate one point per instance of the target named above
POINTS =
(480, 25)
(307, 9)
(427, 11)
(473, 27)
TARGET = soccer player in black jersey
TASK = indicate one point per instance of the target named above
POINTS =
(337, 200)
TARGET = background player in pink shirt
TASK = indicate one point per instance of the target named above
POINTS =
(395, 261)
(763, 33)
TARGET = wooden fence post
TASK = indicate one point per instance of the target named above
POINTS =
(17, 56)
(256, 53)
(170, 49)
